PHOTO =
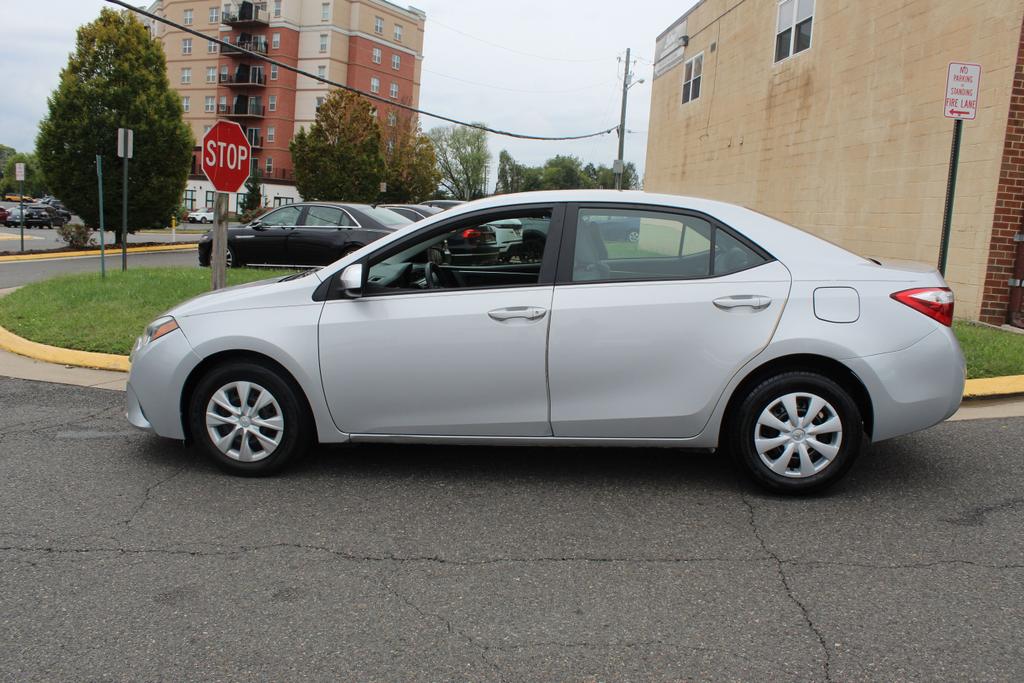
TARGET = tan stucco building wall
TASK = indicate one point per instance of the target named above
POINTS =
(846, 139)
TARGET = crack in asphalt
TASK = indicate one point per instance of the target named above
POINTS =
(788, 589)
(48, 423)
(146, 495)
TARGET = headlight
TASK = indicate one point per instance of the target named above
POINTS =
(157, 329)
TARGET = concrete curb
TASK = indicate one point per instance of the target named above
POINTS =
(994, 387)
(95, 252)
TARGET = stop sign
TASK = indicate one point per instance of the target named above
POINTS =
(226, 153)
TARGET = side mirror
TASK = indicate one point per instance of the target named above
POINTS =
(352, 281)
(256, 225)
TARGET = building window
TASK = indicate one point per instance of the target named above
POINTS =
(186, 75)
(275, 41)
(325, 11)
(210, 197)
(398, 32)
(223, 103)
(186, 46)
(323, 42)
(793, 31)
(377, 55)
(277, 8)
(273, 72)
(396, 62)
(378, 25)
(211, 74)
(271, 133)
(254, 167)
(319, 103)
(215, 15)
(321, 71)
(187, 18)
(373, 112)
(224, 73)
(211, 47)
(374, 84)
(210, 104)
(391, 146)
(394, 90)
(186, 103)
(270, 166)
(692, 72)
(392, 118)
(272, 103)
(206, 129)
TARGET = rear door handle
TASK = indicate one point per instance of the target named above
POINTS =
(754, 301)
(512, 312)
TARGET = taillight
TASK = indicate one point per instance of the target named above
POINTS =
(934, 302)
(470, 234)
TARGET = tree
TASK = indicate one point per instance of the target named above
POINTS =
(410, 165)
(510, 174)
(462, 159)
(35, 183)
(116, 77)
(340, 156)
(5, 154)
(564, 173)
(253, 200)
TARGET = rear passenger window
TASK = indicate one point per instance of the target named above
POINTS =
(626, 244)
(324, 215)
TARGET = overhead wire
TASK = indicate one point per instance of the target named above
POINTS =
(348, 88)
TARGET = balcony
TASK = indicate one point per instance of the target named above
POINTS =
(244, 80)
(251, 108)
(256, 44)
(245, 14)
(255, 141)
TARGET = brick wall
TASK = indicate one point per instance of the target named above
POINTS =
(1009, 214)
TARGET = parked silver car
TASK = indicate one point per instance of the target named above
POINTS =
(716, 327)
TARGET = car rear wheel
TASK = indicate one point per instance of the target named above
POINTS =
(797, 432)
(249, 419)
(232, 260)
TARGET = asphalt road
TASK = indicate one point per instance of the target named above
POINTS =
(126, 557)
(44, 238)
(17, 273)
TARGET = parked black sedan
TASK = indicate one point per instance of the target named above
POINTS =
(414, 212)
(305, 234)
(36, 216)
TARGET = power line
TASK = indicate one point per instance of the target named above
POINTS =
(528, 92)
(342, 86)
(515, 51)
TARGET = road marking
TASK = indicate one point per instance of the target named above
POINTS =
(9, 236)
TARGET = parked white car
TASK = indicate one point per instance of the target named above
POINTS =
(717, 327)
(201, 215)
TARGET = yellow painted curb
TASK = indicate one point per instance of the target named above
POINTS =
(55, 354)
(95, 252)
(994, 387)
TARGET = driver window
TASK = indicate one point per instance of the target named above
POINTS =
(286, 216)
(502, 250)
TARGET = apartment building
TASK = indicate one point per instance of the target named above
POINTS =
(372, 45)
(829, 115)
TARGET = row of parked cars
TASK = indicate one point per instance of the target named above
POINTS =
(319, 233)
(48, 212)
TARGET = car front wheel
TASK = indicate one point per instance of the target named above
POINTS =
(797, 432)
(249, 419)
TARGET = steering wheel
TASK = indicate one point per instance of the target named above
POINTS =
(431, 276)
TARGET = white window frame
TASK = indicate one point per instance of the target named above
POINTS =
(186, 46)
(223, 103)
(211, 74)
(187, 16)
(273, 72)
(392, 118)
(215, 15)
(691, 64)
(275, 41)
(321, 71)
(398, 32)
(269, 166)
(271, 134)
(790, 24)
(374, 84)
(210, 104)
(393, 90)
(325, 11)
(323, 43)
(277, 8)
(396, 62)
(211, 47)
(186, 104)
(319, 102)
(186, 75)
(378, 25)
(378, 55)
(272, 103)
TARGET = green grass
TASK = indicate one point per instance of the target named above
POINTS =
(84, 312)
(990, 352)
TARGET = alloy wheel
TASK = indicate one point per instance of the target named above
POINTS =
(798, 435)
(244, 421)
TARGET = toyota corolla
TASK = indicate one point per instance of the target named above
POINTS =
(716, 328)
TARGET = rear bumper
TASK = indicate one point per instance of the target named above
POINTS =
(915, 388)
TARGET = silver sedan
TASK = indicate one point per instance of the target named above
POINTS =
(628, 319)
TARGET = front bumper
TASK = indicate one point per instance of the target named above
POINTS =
(134, 413)
(155, 384)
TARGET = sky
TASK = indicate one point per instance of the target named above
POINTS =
(540, 67)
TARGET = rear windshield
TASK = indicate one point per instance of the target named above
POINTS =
(385, 216)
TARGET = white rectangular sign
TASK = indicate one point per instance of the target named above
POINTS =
(125, 142)
(962, 83)
(19, 171)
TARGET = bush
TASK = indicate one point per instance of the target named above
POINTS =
(76, 235)
(249, 216)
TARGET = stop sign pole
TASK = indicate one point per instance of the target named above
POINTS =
(226, 153)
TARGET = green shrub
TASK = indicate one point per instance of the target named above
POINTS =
(76, 235)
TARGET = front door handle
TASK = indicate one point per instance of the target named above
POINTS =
(752, 301)
(524, 312)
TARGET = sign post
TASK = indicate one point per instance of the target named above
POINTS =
(125, 145)
(103, 256)
(19, 175)
(226, 152)
(961, 102)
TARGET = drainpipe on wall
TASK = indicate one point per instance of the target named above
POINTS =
(1015, 314)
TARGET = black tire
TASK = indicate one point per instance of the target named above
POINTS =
(743, 427)
(297, 424)
(232, 259)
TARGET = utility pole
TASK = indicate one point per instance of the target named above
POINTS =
(627, 83)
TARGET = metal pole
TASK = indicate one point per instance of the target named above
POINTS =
(622, 122)
(947, 216)
(21, 212)
(124, 208)
(218, 250)
(103, 258)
